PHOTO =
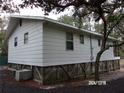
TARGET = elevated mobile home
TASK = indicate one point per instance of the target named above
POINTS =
(55, 51)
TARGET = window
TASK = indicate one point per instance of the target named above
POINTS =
(15, 41)
(99, 42)
(82, 39)
(69, 41)
(25, 38)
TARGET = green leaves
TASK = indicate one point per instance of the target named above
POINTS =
(1, 39)
(114, 17)
(72, 21)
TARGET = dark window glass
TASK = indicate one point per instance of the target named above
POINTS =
(82, 39)
(15, 41)
(69, 45)
(69, 41)
(25, 38)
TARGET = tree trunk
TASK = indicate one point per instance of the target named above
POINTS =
(97, 65)
(102, 49)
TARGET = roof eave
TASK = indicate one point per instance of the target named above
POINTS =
(55, 22)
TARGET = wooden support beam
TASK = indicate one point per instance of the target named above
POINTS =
(118, 64)
(39, 74)
(113, 65)
(68, 75)
(106, 66)
(83, 66)
(91, 67)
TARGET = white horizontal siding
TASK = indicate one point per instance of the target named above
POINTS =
(30, 53)
(107, 55)
(48, 47)
(54, 48)
(55, 53)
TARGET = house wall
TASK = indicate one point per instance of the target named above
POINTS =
(30, 53)
(54, 47)
(47, 46)
(107, 55)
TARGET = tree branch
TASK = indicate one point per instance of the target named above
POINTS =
(75, 3)
(117, 45)
(117, 22)
(114, 45)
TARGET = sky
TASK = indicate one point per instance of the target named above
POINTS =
(39, 12)
(35, 12)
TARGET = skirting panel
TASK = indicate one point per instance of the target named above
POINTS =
(55, 74)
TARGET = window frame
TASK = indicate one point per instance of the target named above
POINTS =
(69, 41)
(26, 40)
(82, 39)
(15, 41)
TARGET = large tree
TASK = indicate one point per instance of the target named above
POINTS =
(118, 32)
(3, 45)
(101, 9)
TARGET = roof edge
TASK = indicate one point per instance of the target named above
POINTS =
(60, 23)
